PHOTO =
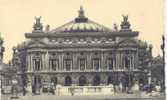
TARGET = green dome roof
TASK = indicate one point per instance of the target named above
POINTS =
(81, 24)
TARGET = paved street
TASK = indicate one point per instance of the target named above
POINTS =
(5, 97)
(107, 97)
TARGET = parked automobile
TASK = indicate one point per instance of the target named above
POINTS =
(6, 89)
(45, 86)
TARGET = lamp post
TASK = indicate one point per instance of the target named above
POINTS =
(163, 55)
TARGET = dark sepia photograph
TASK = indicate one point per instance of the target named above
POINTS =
(82, 50)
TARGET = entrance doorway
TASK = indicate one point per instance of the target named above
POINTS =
(110, 80)
(96, 81)
(54, 81)
(68, 81)
(82, 81)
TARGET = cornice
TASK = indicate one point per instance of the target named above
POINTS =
(83, 34)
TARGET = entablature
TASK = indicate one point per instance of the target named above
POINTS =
(83, 34)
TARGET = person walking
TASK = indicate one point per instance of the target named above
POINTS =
(24, 91)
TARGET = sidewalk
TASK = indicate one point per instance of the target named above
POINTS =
(119, 96)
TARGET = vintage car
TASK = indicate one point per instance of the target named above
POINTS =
(6, 89)
(47, 87)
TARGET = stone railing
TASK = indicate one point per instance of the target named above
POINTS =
(84, 90)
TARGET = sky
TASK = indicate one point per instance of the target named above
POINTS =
(17, 17)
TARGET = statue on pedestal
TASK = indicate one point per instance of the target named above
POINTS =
(125, 25)
(38, 25)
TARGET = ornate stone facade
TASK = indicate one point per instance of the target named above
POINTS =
(83, 52)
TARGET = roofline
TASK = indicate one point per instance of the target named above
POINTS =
(81, 34)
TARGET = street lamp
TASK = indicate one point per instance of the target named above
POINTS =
(163, 54)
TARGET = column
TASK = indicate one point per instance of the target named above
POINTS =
(40, 68)
(32, 66)
(90, 80)
(133, 61)
(75, 79)
(118, 63)
(28, 62)
(130, 66)
(43, 62)
(60, 61)
(121, 65)
(103, 79)
(60, 79)
(114, 63)
(47, 61)
(74, 61)
(89, 61)
(136, 60)
(102, 61)
(105, 62)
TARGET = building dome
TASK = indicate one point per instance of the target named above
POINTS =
(81, 24)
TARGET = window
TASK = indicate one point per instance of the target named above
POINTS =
(82, 64)
(96, 64)
(37, 63)
(53, 64)
(68, 64)
(110, 63)
(127, 62)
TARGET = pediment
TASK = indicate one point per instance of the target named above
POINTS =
(128, 42)
(36, 43)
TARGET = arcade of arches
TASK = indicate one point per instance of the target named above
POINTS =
(85, 80)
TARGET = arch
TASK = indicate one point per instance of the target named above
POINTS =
(68, 81)
(96, 80)
(54, 80)
(110, 80)
(82, 81)
(37, 80)
(128, 42)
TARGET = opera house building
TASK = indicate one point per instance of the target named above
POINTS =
(83, 53)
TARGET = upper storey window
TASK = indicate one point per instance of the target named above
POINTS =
(96, 63)
(68, 64)
(82, 63)
(53, 64)
(110, 63)
(127, 62)
(37, 64)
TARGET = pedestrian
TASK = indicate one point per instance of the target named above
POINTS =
(52, 88)
(28, 88)
(24, 91)
(114, 86)
(120, 87)
(48, 89)
(33, 89)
